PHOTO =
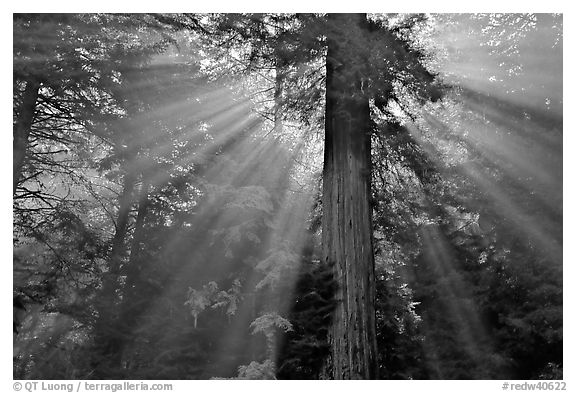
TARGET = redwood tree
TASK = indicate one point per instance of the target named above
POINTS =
(347, 216)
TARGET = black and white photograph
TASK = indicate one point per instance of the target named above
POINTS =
(287, 196)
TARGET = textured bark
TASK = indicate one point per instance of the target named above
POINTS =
(22, 127)
(347, 216)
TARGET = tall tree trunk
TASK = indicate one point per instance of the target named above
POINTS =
(110, 281)
(134, 268)
(22, 127)
(347, 215)
(134, 303)
(105, 337)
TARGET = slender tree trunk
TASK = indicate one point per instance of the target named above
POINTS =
(110, 282)
(133, 271)
(347, 215)
(134, 304)
(278, 89)
(105, 336)
(22, 127)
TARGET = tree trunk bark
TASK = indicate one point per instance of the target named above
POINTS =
(22, 128)
(134, 267)
(134, 304)
(110, 284)
(106, 338)
(347, 214)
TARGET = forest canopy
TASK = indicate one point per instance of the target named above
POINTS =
(287, 196)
